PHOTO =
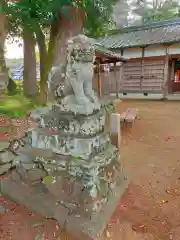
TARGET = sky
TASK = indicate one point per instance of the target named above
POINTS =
(13, 50)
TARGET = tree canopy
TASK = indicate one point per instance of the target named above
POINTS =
(44, 13)
(157, 10)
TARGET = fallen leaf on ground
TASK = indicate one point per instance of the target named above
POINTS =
(3, 177)
(163, 201)
(108, 235)
(168, 191)
(1, 199)
(173, 192)
(142, 226)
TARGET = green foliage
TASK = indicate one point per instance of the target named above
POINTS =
(158, 10)
(32, 13)
(16, 105)
(98, 19)
(44, 13)
(110, 108)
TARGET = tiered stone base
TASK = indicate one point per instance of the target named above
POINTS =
(38, 198)
(66, 168)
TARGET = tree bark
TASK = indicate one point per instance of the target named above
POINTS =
(46, 58)
(30, 79)
(41, 41)
(3, 69)
(67, 28)
(56, 53)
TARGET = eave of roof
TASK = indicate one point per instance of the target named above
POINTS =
(108, 53)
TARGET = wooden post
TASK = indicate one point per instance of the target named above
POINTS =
(142, 70)
(166, 75)
(172, 76)
(99, 80)
(115, 73)
(110, 83)
(120, 75)
(115, 130)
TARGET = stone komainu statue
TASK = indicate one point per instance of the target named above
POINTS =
(74, 79)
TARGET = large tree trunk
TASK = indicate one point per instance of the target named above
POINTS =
(46, 58)
(3, 69)
(30, 79)
(56, 53)
(67, 29)
(3, 33)
(41, 41)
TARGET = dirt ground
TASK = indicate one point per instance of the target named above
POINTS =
(150, 206)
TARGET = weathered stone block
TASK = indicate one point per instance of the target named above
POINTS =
(4, 145)
(46, 204)
(6, 157)
(5, 168)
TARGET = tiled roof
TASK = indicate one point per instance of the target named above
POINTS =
(108, 53)
(99, 48)
(158, 32)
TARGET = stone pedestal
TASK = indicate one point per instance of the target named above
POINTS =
(72, 171)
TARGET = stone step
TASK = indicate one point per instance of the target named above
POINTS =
(67, 145)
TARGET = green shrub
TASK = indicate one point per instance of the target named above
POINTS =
(16, 105)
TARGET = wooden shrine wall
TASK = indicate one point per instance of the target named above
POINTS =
(143, 75)
(110, 81)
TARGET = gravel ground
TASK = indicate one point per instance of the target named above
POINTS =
(150, 206)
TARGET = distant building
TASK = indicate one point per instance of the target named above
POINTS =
(153, 53)
(17, 73)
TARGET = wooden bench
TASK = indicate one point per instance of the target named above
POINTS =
(129, 116)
